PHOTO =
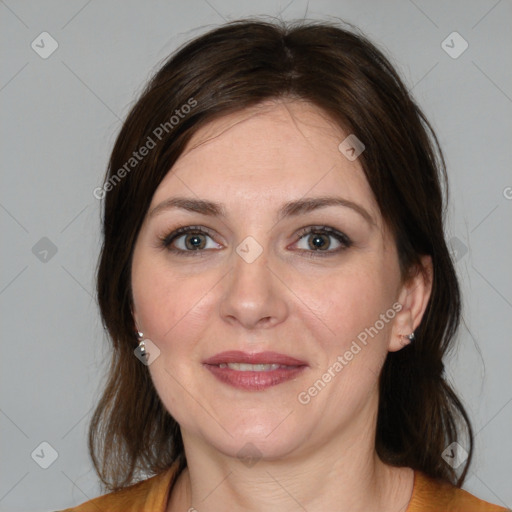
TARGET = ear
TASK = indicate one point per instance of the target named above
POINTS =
(413, 298)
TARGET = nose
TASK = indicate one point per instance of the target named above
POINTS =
(254, 297)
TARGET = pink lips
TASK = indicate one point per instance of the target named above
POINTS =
(284, 368)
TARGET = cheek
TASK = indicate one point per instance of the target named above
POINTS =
(351, 327)
(351, 338)
(164, 300)
(172, 311)
(345, 303)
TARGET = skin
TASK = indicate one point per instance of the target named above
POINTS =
(318, 455)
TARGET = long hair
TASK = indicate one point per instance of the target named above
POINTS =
(336, 69)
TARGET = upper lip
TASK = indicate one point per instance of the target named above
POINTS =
(236, 356)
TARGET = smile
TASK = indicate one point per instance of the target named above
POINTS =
(244, 367)
(254, 372)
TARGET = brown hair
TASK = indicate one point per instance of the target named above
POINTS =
(228, 69)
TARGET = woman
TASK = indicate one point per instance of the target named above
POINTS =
(277, 288)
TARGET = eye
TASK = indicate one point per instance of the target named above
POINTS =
(313, 240)
(189, 239)
(323, 239)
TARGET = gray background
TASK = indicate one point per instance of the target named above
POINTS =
(60, 116)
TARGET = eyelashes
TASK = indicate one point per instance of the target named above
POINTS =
(195, 233)
(320, 234)
(190, 241)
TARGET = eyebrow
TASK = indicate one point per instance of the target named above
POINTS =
(289, 209)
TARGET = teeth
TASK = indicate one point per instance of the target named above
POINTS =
(244, 367)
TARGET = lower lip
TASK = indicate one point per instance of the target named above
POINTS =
(254, 381)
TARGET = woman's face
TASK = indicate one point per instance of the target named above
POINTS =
(274, 315)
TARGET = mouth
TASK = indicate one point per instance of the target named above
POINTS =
(245, 367)
(254, 372)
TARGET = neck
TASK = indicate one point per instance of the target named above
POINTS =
(343, 474)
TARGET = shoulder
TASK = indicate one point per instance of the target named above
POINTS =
(149, 495)
(431, 495)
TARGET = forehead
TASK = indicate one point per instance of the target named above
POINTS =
(275, 151)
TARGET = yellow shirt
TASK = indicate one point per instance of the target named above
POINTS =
(151, 495)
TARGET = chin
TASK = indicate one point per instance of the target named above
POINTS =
(250, 448)
(269, 438)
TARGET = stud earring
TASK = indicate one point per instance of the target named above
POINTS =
(408, 338)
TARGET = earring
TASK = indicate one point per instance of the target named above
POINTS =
(409, 337)
(142, 345)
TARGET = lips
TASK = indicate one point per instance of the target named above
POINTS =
(235, 356)
(254, 371)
